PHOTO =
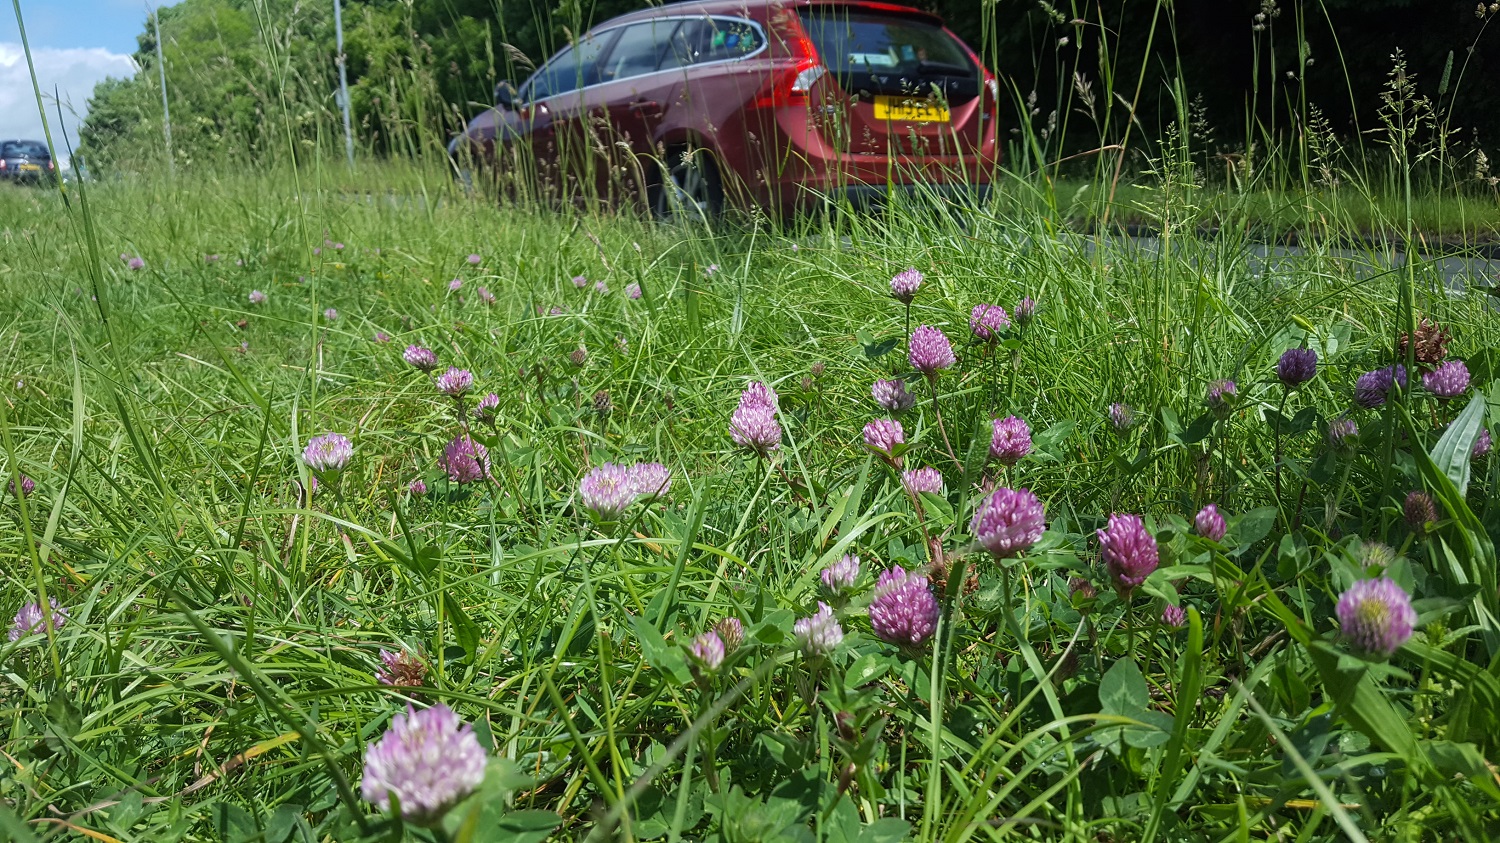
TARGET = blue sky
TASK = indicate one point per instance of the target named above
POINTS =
(75, 44)
(71, 24)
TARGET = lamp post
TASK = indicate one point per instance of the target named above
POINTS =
(166, 114)
(338, 34)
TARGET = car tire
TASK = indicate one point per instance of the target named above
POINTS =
(689, 190)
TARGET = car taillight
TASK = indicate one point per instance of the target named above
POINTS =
(792, 85)
(2, 163)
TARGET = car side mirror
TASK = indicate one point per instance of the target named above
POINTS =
(505, 95)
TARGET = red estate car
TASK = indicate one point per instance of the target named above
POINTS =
(772, 104)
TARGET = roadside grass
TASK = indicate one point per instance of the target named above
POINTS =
(1451, 219)
(215, 677)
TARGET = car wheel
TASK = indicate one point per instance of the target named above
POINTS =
(690, 191)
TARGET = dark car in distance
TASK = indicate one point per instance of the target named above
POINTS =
(769, 104)
(26, 161)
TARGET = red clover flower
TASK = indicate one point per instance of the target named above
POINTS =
(929, 351)
(892, 396)
(1342, 432)
(429, 760)
(33, 619)
(820, 634)
(420, 358)
(402, 669)
(1420, 512)
(1209, 523)
(650, 480)
(885, 438)
(1373, 388)
(607, 491)
(987, 321)
(903, 609)
(1222, 395)
(1447, 381)
(1129, 551)
(1010, 440)
(840, 577)
(1024, 312)
(1008, 522)
(1376, 616)
(465, 460)
(904, 285)
(753, 424)
(27, 485)
(707, 651)
(455, 381)
(484, 411)
(920, 480)
(1173, 617)
(328, 454)
(1297, 366)
(731, 632)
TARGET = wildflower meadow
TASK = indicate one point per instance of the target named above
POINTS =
(336, 514)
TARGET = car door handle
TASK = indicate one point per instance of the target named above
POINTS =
(646, 107)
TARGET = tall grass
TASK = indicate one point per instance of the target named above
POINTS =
(215, 677)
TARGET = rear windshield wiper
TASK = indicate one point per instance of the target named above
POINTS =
(939, 67)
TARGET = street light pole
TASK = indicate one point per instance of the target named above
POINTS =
(338, 34)
(166, 114)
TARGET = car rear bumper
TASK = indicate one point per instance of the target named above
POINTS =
(869, 197)
(870, 191)
(24, 175)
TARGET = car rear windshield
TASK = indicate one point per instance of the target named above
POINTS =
(23, 149)
(880, 53)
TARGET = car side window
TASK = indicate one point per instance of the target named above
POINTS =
(706, 39)
(638, 50)
(575, 66)
(720, 39)
(681, 45)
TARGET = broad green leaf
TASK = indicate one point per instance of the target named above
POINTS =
(1363, 704)
(659, 654)
(1252, 526)
(866, 669)
(1123, 690)
(1472, 551)
(13, 827)
(281, 822)
(1452, 452)
(464, 628)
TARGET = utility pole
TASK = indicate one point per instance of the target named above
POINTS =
(166, 115)
(338, 34)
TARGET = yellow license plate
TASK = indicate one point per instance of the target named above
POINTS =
(31, 167)
(909, 110)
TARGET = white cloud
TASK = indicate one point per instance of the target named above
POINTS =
(73, 73)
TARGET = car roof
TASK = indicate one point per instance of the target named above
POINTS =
(748, 7)
(36, 143)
